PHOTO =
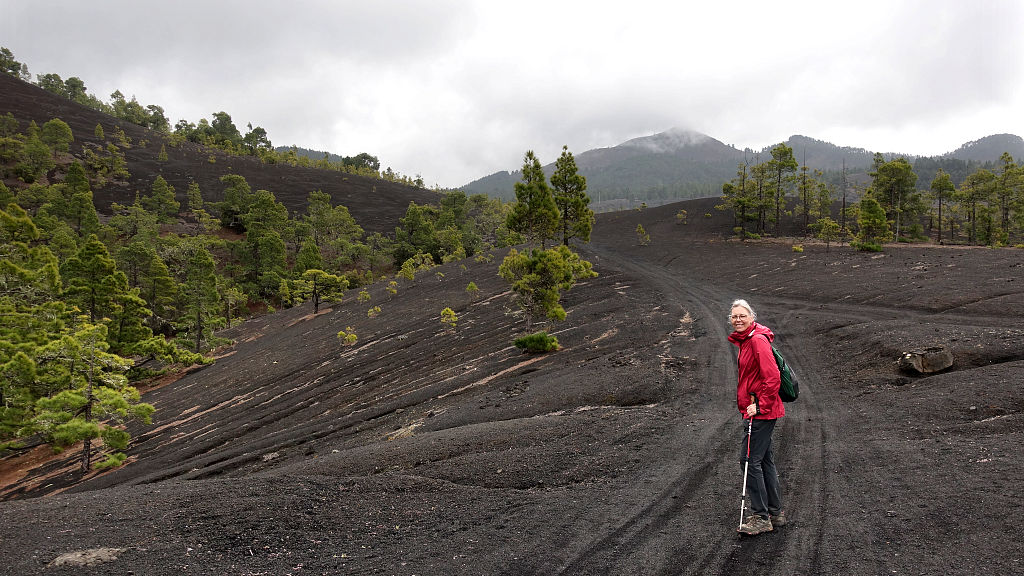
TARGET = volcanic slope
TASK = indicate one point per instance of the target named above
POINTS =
(375, 204)
(421, 451)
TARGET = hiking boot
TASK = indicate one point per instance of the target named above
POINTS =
(779, 519)
(755, 525)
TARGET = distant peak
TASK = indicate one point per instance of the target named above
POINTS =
(671, 140)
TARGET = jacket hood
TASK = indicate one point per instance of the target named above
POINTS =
(738, 338)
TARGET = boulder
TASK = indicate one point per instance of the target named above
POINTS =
(927, 360)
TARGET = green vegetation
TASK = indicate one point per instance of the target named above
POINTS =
(642, 237)
(151, 294)
(539, 278)
(449, 319)
(965, 202)
(87, 303)
(538, 342)
(535, 214)
(219, 131)
(348, 336)
(575, 216)
(874, 228)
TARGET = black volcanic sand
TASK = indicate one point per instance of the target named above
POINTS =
(419, 451)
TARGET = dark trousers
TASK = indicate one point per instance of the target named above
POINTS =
(762, 477)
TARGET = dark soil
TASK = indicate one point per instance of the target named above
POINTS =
(424, 451)
(419, 451)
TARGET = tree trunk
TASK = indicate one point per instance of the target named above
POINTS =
(87, 445)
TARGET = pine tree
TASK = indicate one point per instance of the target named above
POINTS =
(309, 257)
(739, 196)
(942, 188)
(783, 165)
(894, 185)
(57, 135)
(198, 292)
(97, 400)
(317, 285)
(577, 219)
(92, 280)
(975, 196)
(161, 200)
(874, 228)
(540, 277)
(195, 197)
(535, 213)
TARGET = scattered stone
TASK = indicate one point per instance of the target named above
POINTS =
(91, 557)
(926, 361)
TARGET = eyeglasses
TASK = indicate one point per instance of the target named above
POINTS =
(739, 317)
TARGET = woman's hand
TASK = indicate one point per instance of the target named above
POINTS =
(751, 410)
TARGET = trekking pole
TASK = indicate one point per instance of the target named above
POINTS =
(746, 467)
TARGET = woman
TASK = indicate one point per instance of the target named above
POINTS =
(757, 397)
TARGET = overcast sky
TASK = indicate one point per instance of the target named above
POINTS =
(454, 91)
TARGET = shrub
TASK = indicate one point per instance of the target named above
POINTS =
(867, 246)
(449, 318)
(347, 336)
(373, 312)
(539, 342)
(472, 290)
(364, 296)
(798, 248)
(643, 238)
(113, 461)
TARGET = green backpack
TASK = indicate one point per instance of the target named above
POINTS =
(789, 388)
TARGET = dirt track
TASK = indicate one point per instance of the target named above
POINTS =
(420, 452)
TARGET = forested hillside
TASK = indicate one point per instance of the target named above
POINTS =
(126, 248)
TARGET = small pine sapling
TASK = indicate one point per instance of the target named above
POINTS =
(364, 296)
(472, 290)
(449, 319)
(347, 336)
(373, 312)
(642, 236)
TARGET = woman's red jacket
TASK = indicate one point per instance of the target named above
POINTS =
(758, 373)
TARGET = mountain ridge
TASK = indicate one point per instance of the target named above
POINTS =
(682, 164)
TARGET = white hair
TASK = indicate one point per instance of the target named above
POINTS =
(743, 304)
